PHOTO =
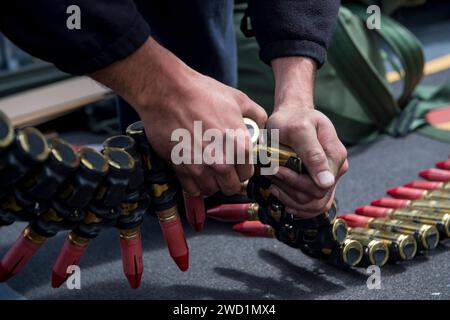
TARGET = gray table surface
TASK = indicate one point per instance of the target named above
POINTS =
(227, 266)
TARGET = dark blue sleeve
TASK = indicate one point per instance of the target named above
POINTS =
(110, 30)
(293, 27)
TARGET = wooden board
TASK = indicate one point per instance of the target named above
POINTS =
(48, 102)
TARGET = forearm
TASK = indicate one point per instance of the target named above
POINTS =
(294, 82)
(146, 77)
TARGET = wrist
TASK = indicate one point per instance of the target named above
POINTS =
(147, 78)
(294, 82)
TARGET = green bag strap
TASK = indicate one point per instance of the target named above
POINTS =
(389, 6)
(405, 46)
(359, 74)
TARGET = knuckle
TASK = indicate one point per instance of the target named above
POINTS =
(262, 115)
(242, 97)
(300, 126)
(302, 198)
(209, 191)
(344, 167)
(319, 193)
(195, 172)
(342, 153)
(246, 173)
(230, 190)
(318, 206)
(315, 157)
(222, 169)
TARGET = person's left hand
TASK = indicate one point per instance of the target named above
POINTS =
(312, 135)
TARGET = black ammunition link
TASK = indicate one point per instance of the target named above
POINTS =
(158, 177)
(136, 202)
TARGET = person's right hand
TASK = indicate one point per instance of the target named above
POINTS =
(168, 95)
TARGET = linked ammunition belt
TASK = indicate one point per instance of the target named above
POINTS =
(56, 189)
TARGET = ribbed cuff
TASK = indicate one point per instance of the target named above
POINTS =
(124, 46)
(289, 48)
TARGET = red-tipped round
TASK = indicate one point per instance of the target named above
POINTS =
(355, 221)
(435, 175)
(133, 266)
(236, 212)
(17, 257)
(445, 165)
(425, 185)
(406, 193)
(371, 211)
(195, 211)
(391, 203)
(70, 254)
(176, 242)
(254, 229)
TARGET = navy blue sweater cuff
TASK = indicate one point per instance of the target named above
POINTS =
(286, 48)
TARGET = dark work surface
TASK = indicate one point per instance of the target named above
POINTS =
(227, 266)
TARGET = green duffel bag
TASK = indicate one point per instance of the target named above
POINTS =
(351, 88)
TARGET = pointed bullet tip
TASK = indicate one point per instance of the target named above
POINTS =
(443, 164)
(57, 280)
(198, 227)
(424, 173)
(4, 274)
(376, 202)
(392, 191)
(134, 280)
(182, 262)
(213, 212)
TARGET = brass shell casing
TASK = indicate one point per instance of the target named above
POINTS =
(405, 244)
(32, 236)
(130, 234)
(376, 251)
(78, 240)
(427, 235)
(351, 252)
(425, 217)
(168, 214)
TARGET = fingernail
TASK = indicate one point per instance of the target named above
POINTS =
(326, 178)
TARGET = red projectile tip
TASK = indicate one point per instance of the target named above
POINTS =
(371, 211)
(17, 257)
(253, 229)
(182, 262)
(70, 254)
(406, 193)
(195, 211)
(133, 267)
(176, 242)
(355, 221)
(435, 175)
(57, 280)
(445, 165)
(391, 203)
(425, 185)
(236, 212)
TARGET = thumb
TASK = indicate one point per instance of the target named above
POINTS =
(314, 158)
